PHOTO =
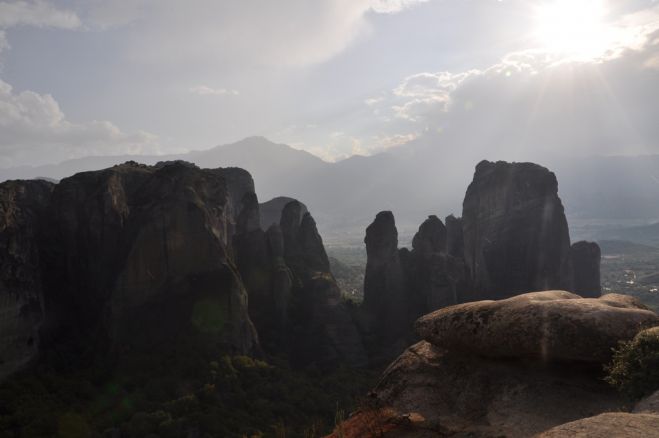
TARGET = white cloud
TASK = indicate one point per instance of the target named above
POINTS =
(272, 33)
(424, 93)
(393, 6)
(36, 13)
(33, 130)
(204, 90)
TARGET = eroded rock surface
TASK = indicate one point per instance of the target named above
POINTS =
(551, 325)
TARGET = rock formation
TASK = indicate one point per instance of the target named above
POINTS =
(642, 422)
(550, 325)
(133, 246)
(385, 298)
(585, 269)
(271, 210)
(512, 239)
(467, 378)
(401, 285)
(322, 329)
(136, 257)
(22, 204)
(516, 237)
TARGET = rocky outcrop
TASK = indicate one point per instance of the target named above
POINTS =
(271, 210)
(133, 246)
(551, 326)
(516, 237)
(386, 303)
(512, 239)
(480, 370)
(321, 327)
(642, 422)
(22, 204)
(608, 425)
(452, 394)
(585, 269)
(401, 285)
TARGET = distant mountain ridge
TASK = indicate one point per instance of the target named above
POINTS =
(414, 180)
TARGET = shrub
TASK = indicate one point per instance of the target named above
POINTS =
(634, 370)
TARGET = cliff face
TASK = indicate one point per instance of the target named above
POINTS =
(137, 249)
(22, 204)
(516, 237)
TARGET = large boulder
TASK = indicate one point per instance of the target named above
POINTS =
(22, 204)
(516, 237)
(551, 325)
(642, 422)
(607, 425)
(454, 394)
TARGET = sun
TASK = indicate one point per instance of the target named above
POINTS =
(572, 28)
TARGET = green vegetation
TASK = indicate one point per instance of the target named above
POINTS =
(635, 367)
(175, 393)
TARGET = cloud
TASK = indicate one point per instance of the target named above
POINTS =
(425, 93)
(36, 13)
(203, 90)
(535, 102)
(393, 6)
(285, 33)
(32, 126)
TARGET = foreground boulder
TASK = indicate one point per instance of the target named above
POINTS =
(642, 422)
(451, 394)
(615, 424)
(22, 204)
(514, 368)
(551, 325)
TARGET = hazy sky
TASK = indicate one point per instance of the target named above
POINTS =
(334, 77)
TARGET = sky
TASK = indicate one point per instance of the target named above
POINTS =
(333, 77)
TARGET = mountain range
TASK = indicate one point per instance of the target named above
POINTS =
(414, 180)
